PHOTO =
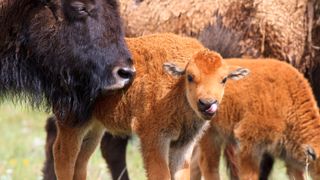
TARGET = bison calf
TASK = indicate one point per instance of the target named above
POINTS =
(273, 112)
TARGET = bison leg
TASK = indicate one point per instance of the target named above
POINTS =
(155, 153)
(113, 150)
(209, 155)
(89, 144)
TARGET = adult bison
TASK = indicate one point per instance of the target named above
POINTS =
(62, 54)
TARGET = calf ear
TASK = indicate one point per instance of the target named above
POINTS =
(238, 73)
(173, 69)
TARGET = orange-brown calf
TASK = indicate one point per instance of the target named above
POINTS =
(167, 114)
(273, 111)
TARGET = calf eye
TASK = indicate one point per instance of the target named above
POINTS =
(224, 80)
(190, 78)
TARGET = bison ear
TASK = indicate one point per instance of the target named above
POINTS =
(78, 9)
(238, 73)
(173, 69)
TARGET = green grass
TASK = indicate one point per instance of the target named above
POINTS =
(22, 139)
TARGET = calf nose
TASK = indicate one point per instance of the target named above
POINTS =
(204, 104)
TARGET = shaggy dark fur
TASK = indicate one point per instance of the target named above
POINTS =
(211, 35)
(315, 79)
(60, 53)
(314, 74)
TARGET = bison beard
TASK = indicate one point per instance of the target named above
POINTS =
(51, 61)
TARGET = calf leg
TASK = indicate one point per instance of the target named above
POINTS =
(155, 153)
(249, 160)
(248, 166)
(209, 155)
(184, 172)
(90, 141)
(113, 150)
(315, 169)
(294, 173)
(255, 134)
(232, 160)
(180, 157)
(194, 166)
(89, 144)
(66, 149)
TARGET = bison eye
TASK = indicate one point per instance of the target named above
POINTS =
(224, 80)
(190, 78)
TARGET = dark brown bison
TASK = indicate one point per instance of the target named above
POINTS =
(62, 54)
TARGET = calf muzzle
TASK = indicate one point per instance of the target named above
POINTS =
(208, 107)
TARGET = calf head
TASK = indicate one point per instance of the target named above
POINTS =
(205, 77)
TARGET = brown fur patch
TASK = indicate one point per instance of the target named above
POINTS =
(208, 61)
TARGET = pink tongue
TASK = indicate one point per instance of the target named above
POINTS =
(213, 108)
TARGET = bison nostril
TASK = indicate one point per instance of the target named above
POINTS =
(126, 73)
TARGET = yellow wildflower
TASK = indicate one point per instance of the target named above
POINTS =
(26, 162)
